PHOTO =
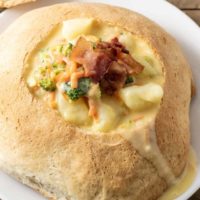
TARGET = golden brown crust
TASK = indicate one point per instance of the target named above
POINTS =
(35, 142)
(12, 3)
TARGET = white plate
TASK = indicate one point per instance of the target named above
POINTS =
(177, 24)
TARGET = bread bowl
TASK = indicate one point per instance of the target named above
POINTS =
(11, 3)
(103, 153)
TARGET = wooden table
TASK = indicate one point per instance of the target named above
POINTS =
(191, 8)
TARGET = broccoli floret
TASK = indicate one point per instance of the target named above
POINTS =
(55, 65)
(129, 80)
(43, 70)
(66, 50)
(59, 48)
(47, 84)
(74, 94)
(57, 68)
(82, 90)
(57, 71)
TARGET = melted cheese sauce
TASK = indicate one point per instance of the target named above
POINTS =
(143, 138)
(183, 182)
(133, 117)
(139, 102)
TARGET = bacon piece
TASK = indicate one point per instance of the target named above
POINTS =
(95, 63)
(116, 44)
(131, 65)
(100, 65)
(110, 52)
(114, 79)
(79, 52)
(108, 63)
(103, 45)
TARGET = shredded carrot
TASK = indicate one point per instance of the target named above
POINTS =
(92, 108)
(73, 67)
(63, 77)
(75, 77)
(52, 100)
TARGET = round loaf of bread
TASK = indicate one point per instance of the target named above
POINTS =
(66, 161)
(12, 3)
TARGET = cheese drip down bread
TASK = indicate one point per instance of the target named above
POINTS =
(11, 3)
(95, 104)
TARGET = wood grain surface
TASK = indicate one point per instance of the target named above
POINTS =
(186, 4)
(191, 8)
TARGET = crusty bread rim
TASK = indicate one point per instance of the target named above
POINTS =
(12, 3)
(173, 144)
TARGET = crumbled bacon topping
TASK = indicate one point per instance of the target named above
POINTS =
(114, 79)
(95, 63)
(109, 63)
